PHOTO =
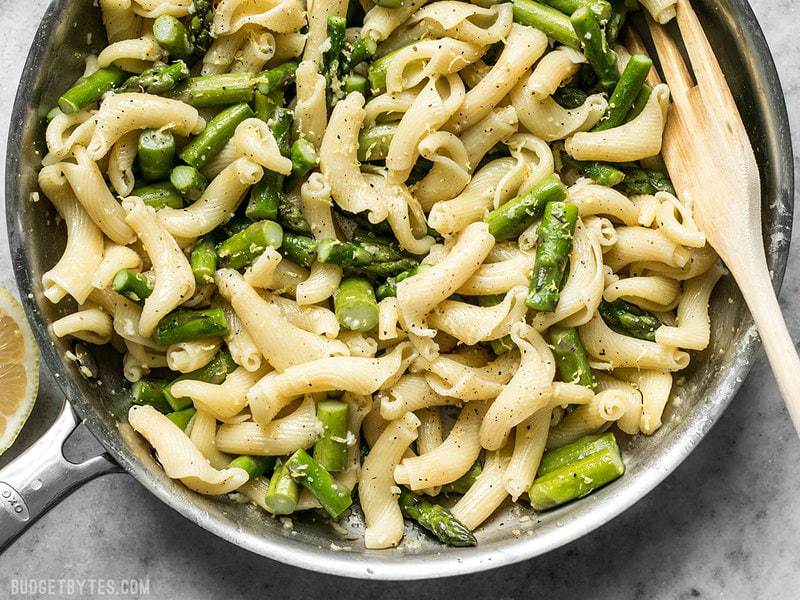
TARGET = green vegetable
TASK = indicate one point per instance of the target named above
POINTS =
(213, 138)
(373, 142)
(290, 214)
(602, 173)
(159, 195)
(355, 83)
(302, 249)
(388, 289)
(570, 97)
(466, 481)
(222, 89)
(157, 79)
(355, 305)
(283, 491)
(150, 392)
(640, 102)
(304, 157)
(134, 286)
(628, 319)
(390, 3)
(330, 451)
(595, 47)
(181, 418)
(214, 372)
(600, 8)
(203, 261)
(361, 50)
(552, 255)
(577, 450)
(277, 78)
(547, 19)
(512, 218)
(172, 36)
(436, 519)
(571, 359)
(189, 182)
(626, 91)
(254, 465)
(332, 496)
(643, 181)
(244, 247)
(202, 16)
(90, 89)
(156, 154)
(184, 325)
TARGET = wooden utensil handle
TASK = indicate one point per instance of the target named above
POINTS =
(781, 352)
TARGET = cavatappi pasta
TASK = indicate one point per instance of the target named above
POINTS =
(376, 253)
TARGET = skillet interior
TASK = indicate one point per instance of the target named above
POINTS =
(71, 29)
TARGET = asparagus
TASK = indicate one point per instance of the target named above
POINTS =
(628, 319)
(244, 247)
(134, 286)
(88, 90)
(188, 181)
(576, 479)
(626, 91)
(255, 466)
(466, 481)
(355, 305)
(332, 496)
(156, 153)
(600, 8)
(264, 105)
(436, 519)
(547, 19)
(640, 102)
(552, 255)
(302, 249)
(173, 36)
(390, 3)
(380, 248)
(344, 254)
(331, 58)
(644, 181)
(359, 51)
(182, 417)
(353, 82)
(52, 114)
(236, 224)
(265, 196)
(277, 78)
(221, 89)
(185, 325)
(388, 268)
(158, 79)
(281, 126)
(214, 372)
(151, 391)
(330, 451)
(388, 289)
(373, 142)
(304, 157)
(159, 195)
(595, 47)
(577, 450)
(377, 72)
(203, 261)
(502, 345)
(290, 215)
(571, 359)
(213, 138)
(512, 218)
(615, 22)
(202, 13)
(283, 491)
(570, 97)
(602, 173)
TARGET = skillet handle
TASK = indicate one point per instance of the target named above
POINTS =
(40, 477)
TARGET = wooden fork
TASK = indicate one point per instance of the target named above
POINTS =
(712, 165)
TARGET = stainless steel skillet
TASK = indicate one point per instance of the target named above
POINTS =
(37, 479)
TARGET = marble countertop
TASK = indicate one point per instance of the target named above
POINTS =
(726, 524)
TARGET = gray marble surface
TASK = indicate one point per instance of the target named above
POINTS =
(726, 524)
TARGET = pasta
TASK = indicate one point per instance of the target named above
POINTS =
(420, 228)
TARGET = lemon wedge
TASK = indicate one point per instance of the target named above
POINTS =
(19, 369)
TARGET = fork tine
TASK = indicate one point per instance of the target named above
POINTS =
(707, 71)
(675, 71)
(635, 46)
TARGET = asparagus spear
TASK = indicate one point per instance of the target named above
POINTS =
(244, 247)
(355, 305)
(390, 3)
(302, 249)
(189, 182)
(644, 181)
(156, 153)
(640, 102)
(344, 254)
(173, 36)
(570, 97)
(290, 215)
(332, 496)
(265, 196)
(577, 450)
(388, 268)
(436, 519)
(90, 89)
(571, 359)
(331, 58)
(359, 51)
(221, 89)
(157, 79)
(159, 195)
(236, 224)
(547, 19)
(254, 465)
(512, 218)
(353, 82)
(628, 319)
(181, 418)
(213, 138)
(502, 345)
(330, 451)
(466, 481)
(277, 78)
(264, 105)
(625, 93)
(576, 479)
(373, 142)
(388, 289)
(185, 325)
(552, 254)
(600, 8)
(203, 261)
(377, 72)
(304, 158)
(615, 22)
(202, 15)
(280, 123)
(151, 391)
(214, 372)
(283, 491)
(134, 286)
(602, 173)
(595, 47)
